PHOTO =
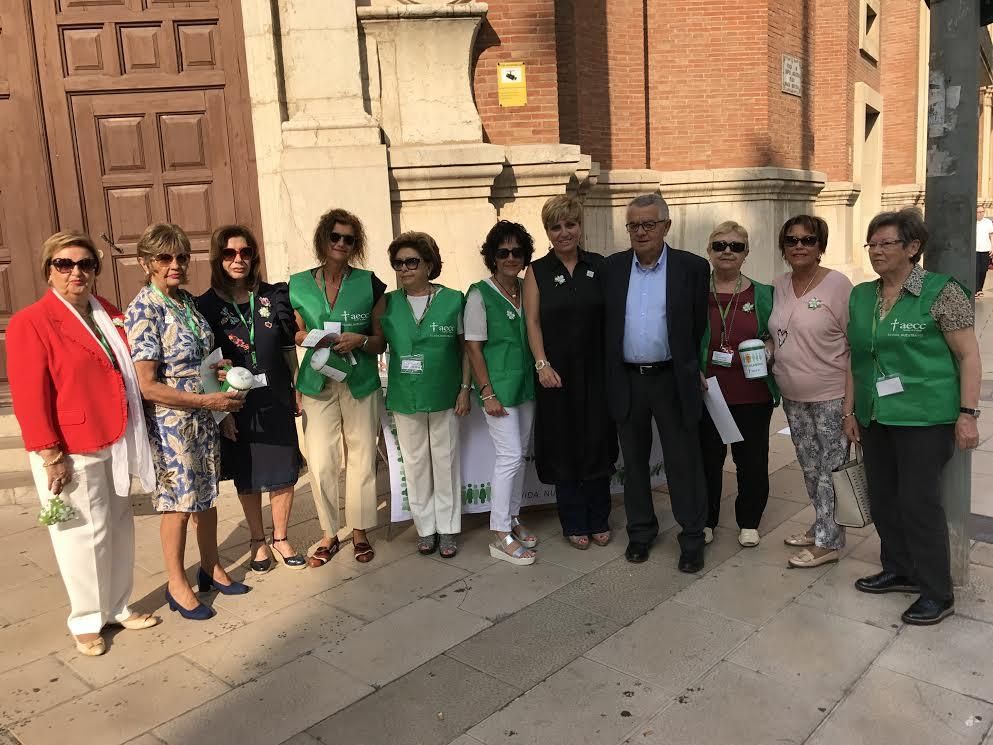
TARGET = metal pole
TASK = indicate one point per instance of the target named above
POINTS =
(950, 204)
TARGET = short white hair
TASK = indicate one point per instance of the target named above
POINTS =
(648, 200)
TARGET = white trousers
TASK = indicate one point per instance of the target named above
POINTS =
(95, 551)
(429, 444)
(332, 418)
(510, 435)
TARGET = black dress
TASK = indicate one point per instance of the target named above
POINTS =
(266, 455)
(574, 437)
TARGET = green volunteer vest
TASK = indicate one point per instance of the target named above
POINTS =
(763, 309)
(907, 342)
(506, 350)
(435, 340)
(353, 309)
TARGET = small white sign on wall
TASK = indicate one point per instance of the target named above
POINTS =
(792, 75)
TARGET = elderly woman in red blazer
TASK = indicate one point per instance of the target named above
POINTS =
(77, 400)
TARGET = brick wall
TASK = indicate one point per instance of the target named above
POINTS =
(518, 30)
(899, 83)
(791, 118)
(832, 89)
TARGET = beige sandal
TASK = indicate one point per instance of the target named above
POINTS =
(92, 648)
(806, 560)
(800, 539)
(139, 621)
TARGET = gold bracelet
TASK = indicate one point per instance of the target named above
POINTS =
(54, 461)
(487, 398)
(845, 416)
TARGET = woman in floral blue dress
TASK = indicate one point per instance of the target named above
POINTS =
(169, 340)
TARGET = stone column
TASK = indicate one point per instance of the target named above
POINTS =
(985, 145)
(836, 204)
(531, 175)
(333, 155)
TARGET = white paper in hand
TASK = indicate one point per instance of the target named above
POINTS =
(313, 338)
(717, 407)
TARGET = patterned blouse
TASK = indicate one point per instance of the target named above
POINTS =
(951, 311)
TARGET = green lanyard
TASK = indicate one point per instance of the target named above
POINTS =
(427, 305)
(186, 312)
(249, 324)
(875, 328)
(324, 289)
(724, 311)
(105, 344)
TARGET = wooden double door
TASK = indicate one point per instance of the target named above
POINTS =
(121, 113)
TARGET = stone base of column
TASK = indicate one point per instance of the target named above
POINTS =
(836, 204)
(902, 195)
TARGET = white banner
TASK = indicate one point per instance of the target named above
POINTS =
(477, 458)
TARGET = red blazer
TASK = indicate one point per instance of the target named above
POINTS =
(66, 392)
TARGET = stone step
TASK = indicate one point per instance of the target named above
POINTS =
(17, 487)
(12, 454)
(8, 424)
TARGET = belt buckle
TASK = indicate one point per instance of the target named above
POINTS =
(645, 369)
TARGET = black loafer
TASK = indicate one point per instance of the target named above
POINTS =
(636, 553)
(882, 582)
(926, 612)
(690, 562)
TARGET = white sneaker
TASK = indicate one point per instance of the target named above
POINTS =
(748, 537)
(708, 535)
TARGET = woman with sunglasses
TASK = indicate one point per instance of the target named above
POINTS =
(169, 341)
(809, 349)
(739, 310)
(253, 323)
(77, 401)
(428, 388)
(338, 298)
(501, 361)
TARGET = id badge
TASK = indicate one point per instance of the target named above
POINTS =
(888, 385)
(261, 381)
(413, 365)
(722, 359)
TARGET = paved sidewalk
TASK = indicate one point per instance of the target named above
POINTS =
(580, 648)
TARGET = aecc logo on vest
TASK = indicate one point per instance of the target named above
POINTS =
(354, 317)
(438, 329)
(906, 329)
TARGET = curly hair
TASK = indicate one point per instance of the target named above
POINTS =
(503, 231)
(425, 246)
(325, 226)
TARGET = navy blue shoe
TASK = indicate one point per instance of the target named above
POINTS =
(200, 613)
(208, 583)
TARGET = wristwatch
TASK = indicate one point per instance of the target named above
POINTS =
(971, 412)
(541, 364)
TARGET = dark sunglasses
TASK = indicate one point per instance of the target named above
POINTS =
(412, 263)
(807, 240)
(504, 253)
(722, 246)
(165, 259)
(65, 266)
(335, 237)
(245, 254)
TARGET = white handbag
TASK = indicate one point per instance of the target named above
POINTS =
(851, 493)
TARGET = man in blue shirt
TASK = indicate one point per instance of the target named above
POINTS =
(656, 315)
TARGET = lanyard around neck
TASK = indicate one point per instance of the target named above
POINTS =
(185, 312)
(249, 323)
(725, 328)
(328, 304)
(427, 305)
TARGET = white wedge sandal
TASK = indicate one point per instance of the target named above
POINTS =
(517, 557)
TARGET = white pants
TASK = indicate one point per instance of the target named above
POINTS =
(95, 551)
(331, 418)
(429, 444)
(510, 435)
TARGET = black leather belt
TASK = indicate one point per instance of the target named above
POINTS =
(648, 368)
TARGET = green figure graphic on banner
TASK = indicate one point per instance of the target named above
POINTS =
(470, 494)
(484, 493)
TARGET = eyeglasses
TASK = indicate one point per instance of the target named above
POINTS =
(411, 263)
(65, 266)
(883, 244)
(165, 259)
(648, 226)
(349, 240)
(722, 246)
(245, 254)
(504, 253)
(806, 240)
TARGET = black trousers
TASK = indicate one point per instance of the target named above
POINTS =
(903, 467)
(751, 458)
(982, 266)
(655, 397)
(584, 506)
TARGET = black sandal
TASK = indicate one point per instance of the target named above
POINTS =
(292, 562)
(427, 544)
(324, 554)
(259, 567)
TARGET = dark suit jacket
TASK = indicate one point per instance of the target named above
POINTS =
(687, 285)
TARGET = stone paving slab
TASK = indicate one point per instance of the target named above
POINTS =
(39, 685)
(835, 593)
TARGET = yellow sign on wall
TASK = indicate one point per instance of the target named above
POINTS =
(512, 87)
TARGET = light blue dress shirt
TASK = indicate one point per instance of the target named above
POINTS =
(646, 335)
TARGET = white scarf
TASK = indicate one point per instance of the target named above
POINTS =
(131, 453)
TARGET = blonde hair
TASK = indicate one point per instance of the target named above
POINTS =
(561, 208)
(159, 238)
(728, 226)
(66, 239)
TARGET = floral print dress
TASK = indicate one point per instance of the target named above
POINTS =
(184, 443)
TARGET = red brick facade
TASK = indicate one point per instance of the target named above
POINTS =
(900, 86)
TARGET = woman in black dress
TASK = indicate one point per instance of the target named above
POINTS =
(253, 322)
(575, 444)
